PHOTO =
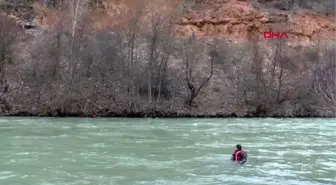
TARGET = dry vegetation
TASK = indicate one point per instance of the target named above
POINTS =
(143, 69)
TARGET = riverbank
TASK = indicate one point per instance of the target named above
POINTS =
(160, 114)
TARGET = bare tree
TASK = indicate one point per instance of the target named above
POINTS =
(324, 83)
(163, 63)
(131, 32)
(257, 70)
(238, 70)
(278, 62)
(189, 61)
(153, 42)
(329, 7)
(9, 34)
(76, 9)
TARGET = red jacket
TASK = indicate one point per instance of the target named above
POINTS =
(238, 155)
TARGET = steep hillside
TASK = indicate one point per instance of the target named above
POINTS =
(230, 19)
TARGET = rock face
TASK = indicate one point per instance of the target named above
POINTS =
(302, 20)
(238, 19)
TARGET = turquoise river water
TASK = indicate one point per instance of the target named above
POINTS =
(121, 151)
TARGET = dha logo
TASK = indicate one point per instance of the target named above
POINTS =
(271, 35)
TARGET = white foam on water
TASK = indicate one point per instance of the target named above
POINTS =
(99, 145)
(7, 177)
(86, 126)
(328, 179)
(6, 172)
(23, 153)
(329, 164)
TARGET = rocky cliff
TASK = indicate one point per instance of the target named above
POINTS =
(237, 19)
(303, 21)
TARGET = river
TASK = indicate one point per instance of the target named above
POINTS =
(121, 151)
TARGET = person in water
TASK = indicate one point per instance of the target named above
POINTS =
(239, 155)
